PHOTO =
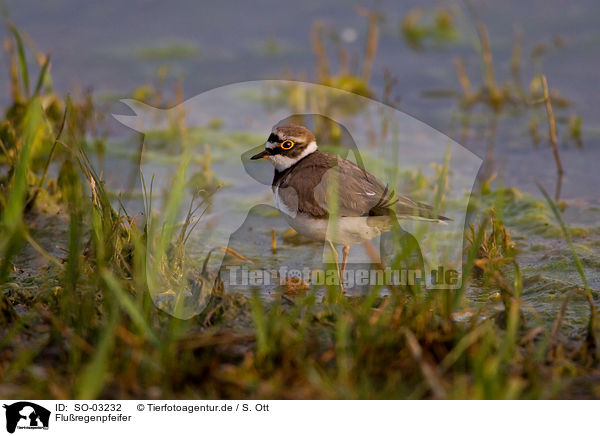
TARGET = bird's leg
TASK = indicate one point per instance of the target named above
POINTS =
(337, 265)
(345, 253)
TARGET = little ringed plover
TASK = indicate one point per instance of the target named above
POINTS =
(302, 187)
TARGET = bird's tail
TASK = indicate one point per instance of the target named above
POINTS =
(406, 208)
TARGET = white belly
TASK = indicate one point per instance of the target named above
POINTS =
(346, 231)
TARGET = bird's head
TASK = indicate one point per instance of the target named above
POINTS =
(286, 145)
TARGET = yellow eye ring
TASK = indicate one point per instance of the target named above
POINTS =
(287, 144)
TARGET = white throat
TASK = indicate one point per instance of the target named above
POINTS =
(281, 162)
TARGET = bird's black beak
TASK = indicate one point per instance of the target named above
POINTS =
(262, 154)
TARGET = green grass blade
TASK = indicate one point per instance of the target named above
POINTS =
(94, 374)
(22, 57)
(12, 214)
(130, 307)
(567, 236)
(42, 76)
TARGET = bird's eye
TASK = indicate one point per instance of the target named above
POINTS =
(287, 144)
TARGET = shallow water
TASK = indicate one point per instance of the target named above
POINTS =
(115, 47)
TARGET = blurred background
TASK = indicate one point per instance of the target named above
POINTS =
(412, 55)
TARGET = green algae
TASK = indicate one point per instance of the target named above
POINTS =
(169, 51)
